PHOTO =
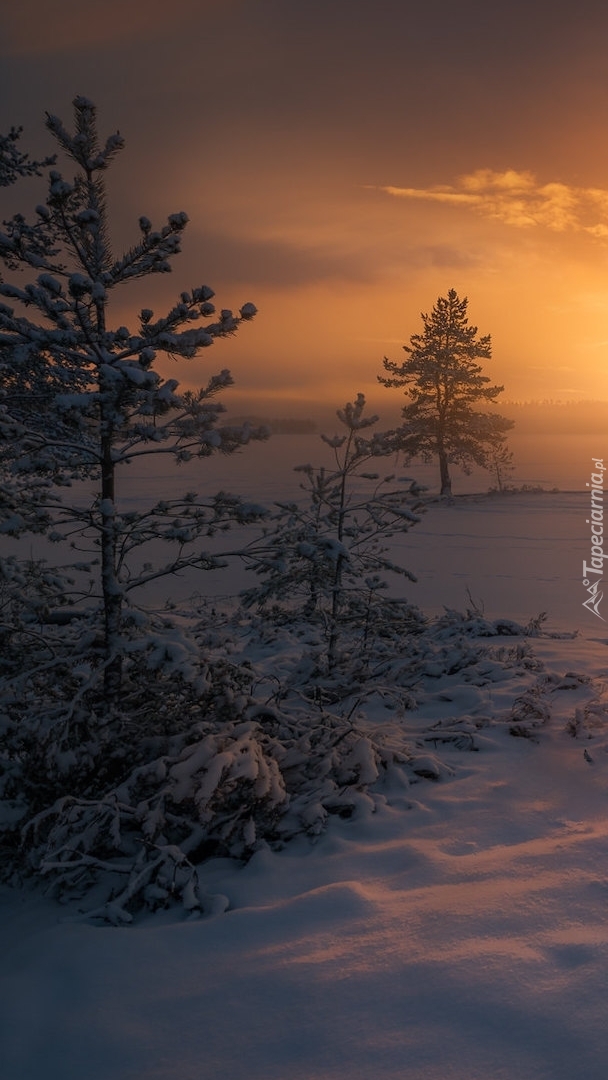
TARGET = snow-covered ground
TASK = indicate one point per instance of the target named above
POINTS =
(455, 930)
(459, 932)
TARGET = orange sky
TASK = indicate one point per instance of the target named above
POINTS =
(342, 165)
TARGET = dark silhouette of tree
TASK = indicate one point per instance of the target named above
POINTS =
(445, 386)
(80, 399)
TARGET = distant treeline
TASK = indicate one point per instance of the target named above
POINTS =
(558, 417)
(533, 417)
(278, 425)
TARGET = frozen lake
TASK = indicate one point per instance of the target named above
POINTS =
(517, 555)
(265, 470)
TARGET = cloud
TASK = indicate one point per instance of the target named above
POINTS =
(518, 199)
(278, 263)
(290, 264)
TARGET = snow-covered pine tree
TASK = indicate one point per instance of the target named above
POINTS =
(79, 399)
(445, 385)
(326, 558)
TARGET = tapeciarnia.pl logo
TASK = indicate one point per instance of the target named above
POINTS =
(596, 521)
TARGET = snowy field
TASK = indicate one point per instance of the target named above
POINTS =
(516, 555)
(449, 930)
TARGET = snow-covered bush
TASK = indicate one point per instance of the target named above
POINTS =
(244, 743)
(218, 788)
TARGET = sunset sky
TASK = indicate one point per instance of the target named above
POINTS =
(343, 164)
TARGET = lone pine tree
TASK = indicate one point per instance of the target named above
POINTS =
(445, 385)
(79, 399)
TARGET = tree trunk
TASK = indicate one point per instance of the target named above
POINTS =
(110, 585)
(444, 473)
(336, 597)
(111, 591)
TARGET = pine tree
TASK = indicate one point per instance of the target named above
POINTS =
(326, 558)
(502, 466)
(445, 385)
(79, 399)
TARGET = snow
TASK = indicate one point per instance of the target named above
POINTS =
(451, 929)
(459, 932)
